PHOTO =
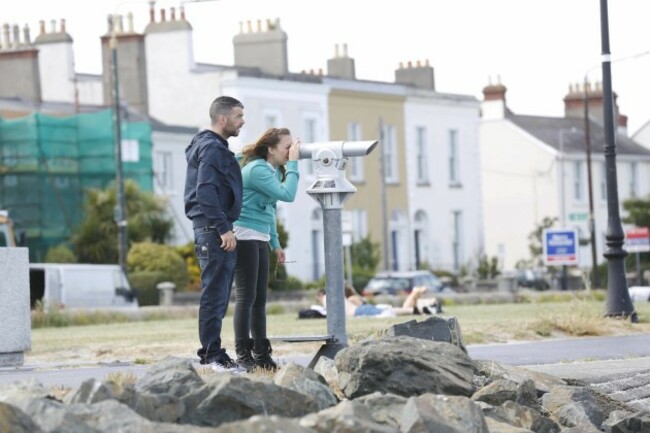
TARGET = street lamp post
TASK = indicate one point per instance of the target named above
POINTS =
(618, 302)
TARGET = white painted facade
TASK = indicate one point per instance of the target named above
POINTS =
(180, 93)
(59, 82)
(525, 180)
(642, 136)
(445, 209)
(169, 167)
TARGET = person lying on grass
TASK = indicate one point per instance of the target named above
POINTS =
(357, 306)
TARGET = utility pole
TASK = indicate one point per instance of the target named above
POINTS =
(384, 205)
(592, 221)
(120, 208)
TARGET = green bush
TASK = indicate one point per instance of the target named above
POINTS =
(60, 254)
(360, 277)
(144, 284)
(150, 257)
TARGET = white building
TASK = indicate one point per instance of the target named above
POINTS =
(444, 182)
(535, 167)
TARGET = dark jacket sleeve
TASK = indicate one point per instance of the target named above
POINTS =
(213, 169)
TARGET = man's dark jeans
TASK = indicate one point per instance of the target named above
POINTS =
(217, 273)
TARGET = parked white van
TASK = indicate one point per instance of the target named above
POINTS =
(80, 286)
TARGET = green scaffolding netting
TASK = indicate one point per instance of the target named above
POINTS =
(46, 164)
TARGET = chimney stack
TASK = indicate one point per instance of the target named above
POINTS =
(420, 75)
(574, 102)
(341, 66)
(262, 49)
(494, 101)
(19, 65)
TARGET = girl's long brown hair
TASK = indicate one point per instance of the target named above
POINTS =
(260, 149)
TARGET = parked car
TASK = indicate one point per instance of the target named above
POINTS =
(532, 279)
(396, 282)
(80, 286)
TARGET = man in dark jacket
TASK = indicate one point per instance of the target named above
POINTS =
(213, 198)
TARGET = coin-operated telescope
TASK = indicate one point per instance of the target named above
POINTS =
(330, 189)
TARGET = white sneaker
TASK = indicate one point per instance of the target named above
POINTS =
(226, 366)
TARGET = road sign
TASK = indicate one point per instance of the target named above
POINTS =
(578, 216)
(637, 240)
(560, 246)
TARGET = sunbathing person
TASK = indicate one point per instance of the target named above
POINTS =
(357, 306)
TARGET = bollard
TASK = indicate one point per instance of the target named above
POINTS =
(166, 293)
(15, 319)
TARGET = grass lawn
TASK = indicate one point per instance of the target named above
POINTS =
(150, 340)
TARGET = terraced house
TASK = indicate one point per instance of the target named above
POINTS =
(426, 208)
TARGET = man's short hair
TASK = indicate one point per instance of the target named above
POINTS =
(223, 105)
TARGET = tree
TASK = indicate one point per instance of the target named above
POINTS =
(95, 240)
(535, 245)
(365, 254)
(638, 211)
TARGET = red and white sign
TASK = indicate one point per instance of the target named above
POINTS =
(637, 240)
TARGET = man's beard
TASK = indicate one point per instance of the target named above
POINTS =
(230, 130)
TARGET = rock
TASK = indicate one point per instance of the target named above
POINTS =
(345, 417)
(233, 398)
(433, 328)
(14, 420)
(441, 413)
(90, 391)
(404, 366)
(573, 405)
(306, 381)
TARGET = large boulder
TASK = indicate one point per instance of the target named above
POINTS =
(404, 366)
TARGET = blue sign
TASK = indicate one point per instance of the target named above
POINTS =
(560, 247)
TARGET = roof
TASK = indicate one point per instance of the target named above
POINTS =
(571, 132)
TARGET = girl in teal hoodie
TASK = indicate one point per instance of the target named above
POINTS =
(269, 174)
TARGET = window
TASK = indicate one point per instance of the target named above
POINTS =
(359, 219)
(163, 171)
(271, 119)
(309, 136)
(389, 143)
(454, 158)
(633, 179)
(456, 238)
(578, 184)
(355, 162)
(603, 182)
(421, 155)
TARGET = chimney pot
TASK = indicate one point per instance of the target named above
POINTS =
(16, 30)
(41, 25)
(336, 50)
(162, 15)
(62, 25)
(172, 14)
(418, 64)
(410, 65)
(28, 40)
(259, 26)
(249, 26)
(182, 8)
(129, 20)
(152, 11)
(345, 50)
